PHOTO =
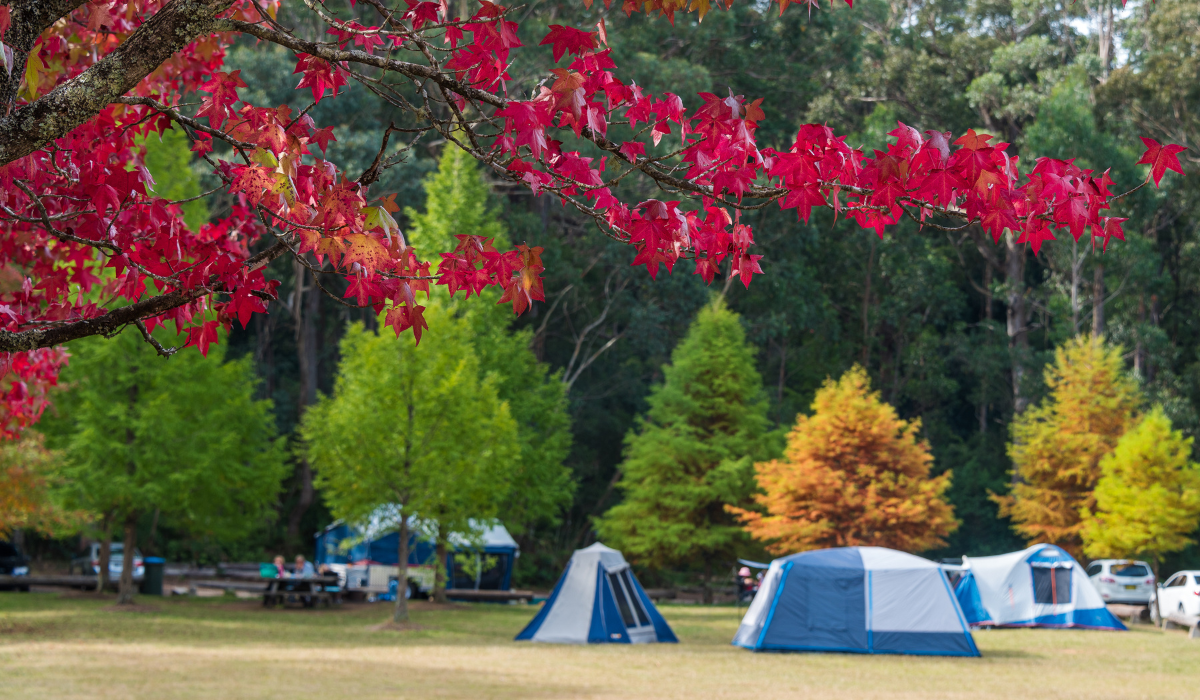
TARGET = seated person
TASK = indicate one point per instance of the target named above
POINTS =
(303, 569)
(280, 569)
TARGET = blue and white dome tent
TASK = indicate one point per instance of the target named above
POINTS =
(598, 600)
(1042, 586)
(867, 600)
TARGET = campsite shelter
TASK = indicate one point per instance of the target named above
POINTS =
(868, 600)
(598, 600)
(1042, 586)
(377, 542)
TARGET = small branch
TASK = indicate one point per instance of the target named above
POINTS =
(163, 352)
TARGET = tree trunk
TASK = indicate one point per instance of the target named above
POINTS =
(1139, 350)
(707, 584)
(866, 308)
(987, 290)
(1098, 302)
(105, 556)
(439, 575)
(1017, 319)
(1017, 323)
(400, 613)
(306, 310)
(125, 589)
(1155, 318)
(151, 545)
(1076, 263)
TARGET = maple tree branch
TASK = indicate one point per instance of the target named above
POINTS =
(163, 352)
(28, 19)
(118, 318)
(185, 120)
(77, 100)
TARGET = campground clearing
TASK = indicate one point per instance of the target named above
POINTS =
(77, 646)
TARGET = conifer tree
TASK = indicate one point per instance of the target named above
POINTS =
(692, 454)
(457, 205)
(1148, 495)
(1057, 446)
(854, 473)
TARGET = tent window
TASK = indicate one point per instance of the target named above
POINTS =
(622, 601)
(643, 618)
(1051, 586)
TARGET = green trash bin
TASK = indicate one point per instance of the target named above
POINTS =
(152, 577)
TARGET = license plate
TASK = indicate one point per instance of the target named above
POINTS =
(1131, 588)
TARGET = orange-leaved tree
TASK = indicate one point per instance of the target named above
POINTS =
(25, 488)
(1057, 446)
(854, 473)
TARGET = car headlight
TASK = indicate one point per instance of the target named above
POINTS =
(20, 571)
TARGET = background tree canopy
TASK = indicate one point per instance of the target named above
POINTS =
(950, 328)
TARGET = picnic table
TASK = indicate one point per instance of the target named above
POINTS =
(307, 591)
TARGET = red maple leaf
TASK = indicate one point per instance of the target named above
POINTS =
(1161, 158)
(323, 136)
(223, 87)
(202, 336)
(319, 75)
(938, 186)
(569, 40)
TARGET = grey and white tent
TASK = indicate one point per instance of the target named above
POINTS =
(598, 600)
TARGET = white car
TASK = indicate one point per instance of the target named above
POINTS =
(1181, 593)
(1122, 581)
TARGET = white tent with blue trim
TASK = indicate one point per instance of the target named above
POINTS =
(598, 600)
(1042, 586)
(868, 600)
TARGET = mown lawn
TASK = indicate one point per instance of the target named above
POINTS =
(77, 646)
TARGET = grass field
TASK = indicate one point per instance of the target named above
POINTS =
(77, 646)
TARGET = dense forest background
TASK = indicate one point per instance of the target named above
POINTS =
(951, 327)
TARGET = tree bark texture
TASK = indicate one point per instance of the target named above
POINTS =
(307, 313)
(1098, 301)
(400, 613)
(27, 20)
(125, 590)
(1017, 319)
(79, 99)
(105, 557)
(439, 575)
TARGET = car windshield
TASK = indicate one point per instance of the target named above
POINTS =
(1130, 570)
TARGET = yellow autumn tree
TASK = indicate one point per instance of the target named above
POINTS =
(1057, 446)
(1148, 496)
(854, 473)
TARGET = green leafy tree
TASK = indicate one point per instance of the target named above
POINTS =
(1148, 495)
(418, 428)
(169, 160)
(457, 204)
(694, 453)
(183, 435)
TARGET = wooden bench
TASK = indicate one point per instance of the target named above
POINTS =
(1189, 622)
(310, 592)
